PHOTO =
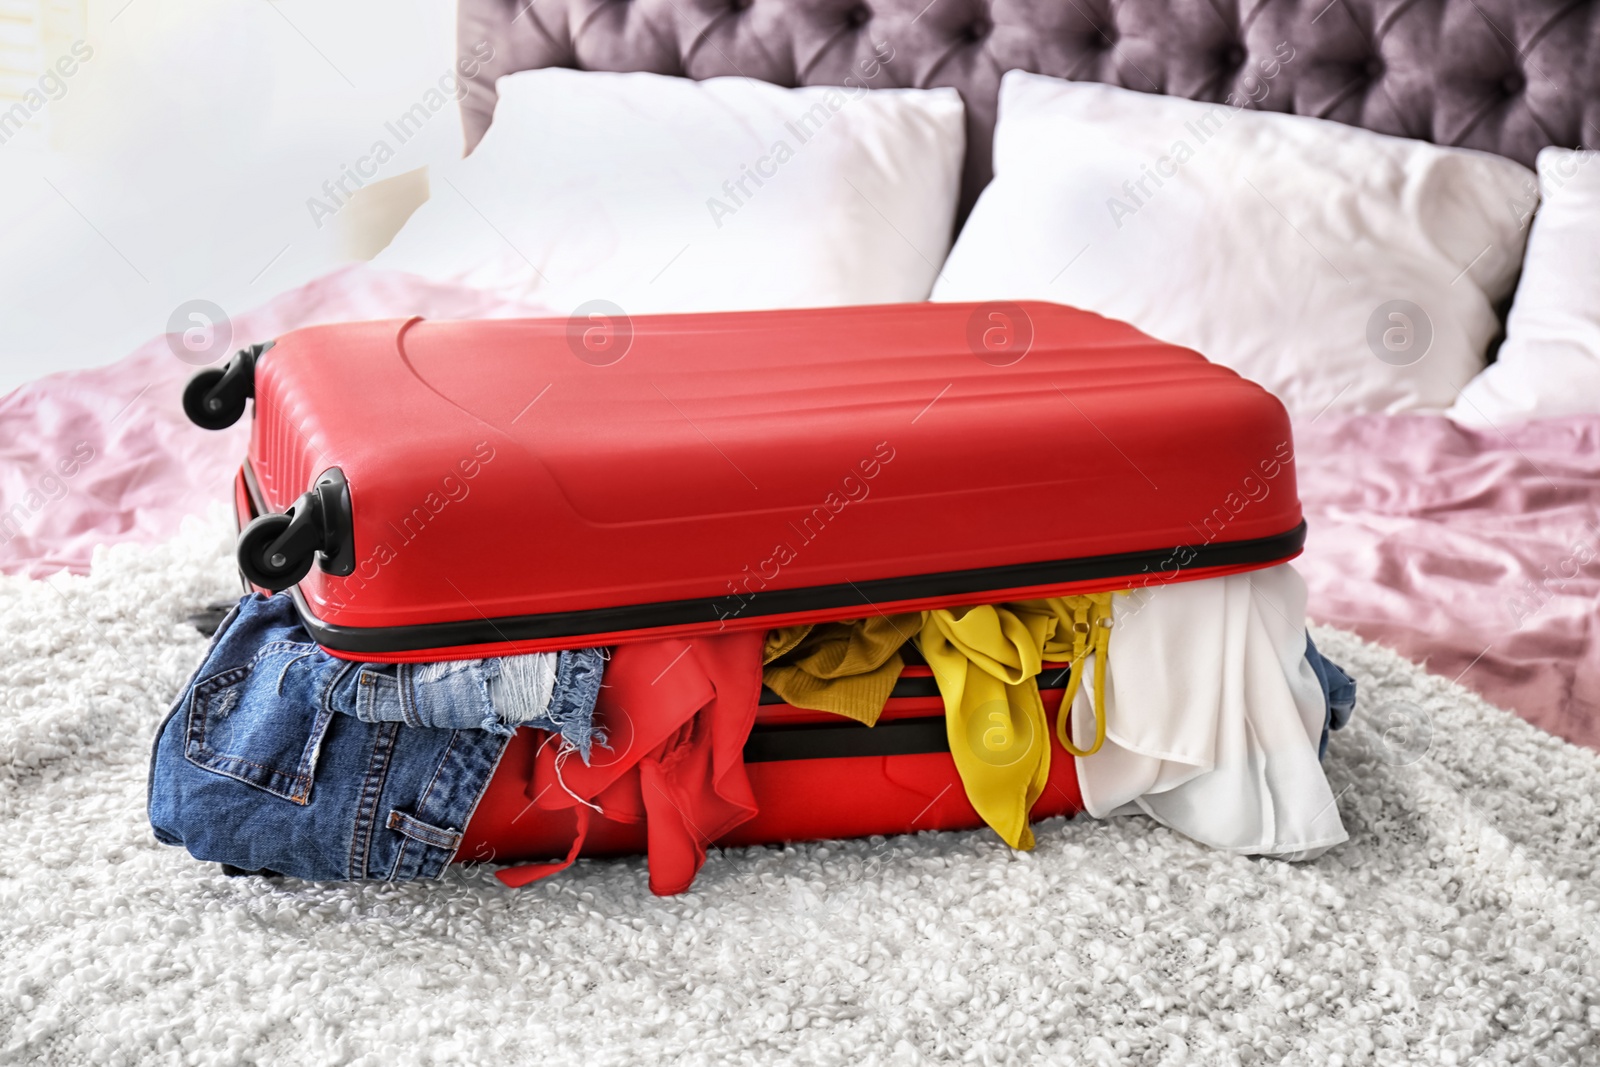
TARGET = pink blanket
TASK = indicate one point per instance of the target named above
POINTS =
(1474, 552)
(1477, 553)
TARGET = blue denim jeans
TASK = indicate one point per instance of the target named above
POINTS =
(279, 757)
(1338, 690)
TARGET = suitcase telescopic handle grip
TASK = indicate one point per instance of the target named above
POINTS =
(276, 551)
(214, 399)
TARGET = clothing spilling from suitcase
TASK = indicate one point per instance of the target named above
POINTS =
(513, 603)
(1203, 705)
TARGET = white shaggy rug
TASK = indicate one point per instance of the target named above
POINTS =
(1457, 926)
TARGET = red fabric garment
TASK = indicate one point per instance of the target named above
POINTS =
(677, 713)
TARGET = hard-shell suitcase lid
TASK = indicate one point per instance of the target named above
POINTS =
(517, 485)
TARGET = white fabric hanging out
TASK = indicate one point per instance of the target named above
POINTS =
(1213, 717)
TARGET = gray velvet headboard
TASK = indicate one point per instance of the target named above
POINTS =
(1505, 76)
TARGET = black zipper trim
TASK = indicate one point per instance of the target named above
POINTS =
(847, 596)
(898, 737)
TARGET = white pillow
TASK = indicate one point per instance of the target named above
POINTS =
(664, 194)
(1291, 249)
(1550, 362)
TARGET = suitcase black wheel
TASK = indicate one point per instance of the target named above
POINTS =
(215, 398)
(276, 551)
(265, 557)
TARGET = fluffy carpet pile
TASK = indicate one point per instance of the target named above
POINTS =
(1457, 926)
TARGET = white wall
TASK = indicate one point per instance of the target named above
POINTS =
(180, 158)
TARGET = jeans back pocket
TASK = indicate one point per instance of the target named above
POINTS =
(263, 723)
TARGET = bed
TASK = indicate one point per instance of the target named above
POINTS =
(1473, 551)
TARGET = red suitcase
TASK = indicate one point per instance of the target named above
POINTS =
(437, 490)
(454, 489)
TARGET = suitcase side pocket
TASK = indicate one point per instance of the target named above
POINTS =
(263, 723)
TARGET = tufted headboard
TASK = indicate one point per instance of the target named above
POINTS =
(1505, 76)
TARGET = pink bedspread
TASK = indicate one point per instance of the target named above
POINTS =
(1475, 552)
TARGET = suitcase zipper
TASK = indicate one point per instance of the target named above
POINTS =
(775, 607)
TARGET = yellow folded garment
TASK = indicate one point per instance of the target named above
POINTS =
(779, 642)
(848, 668)
(987, 661)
